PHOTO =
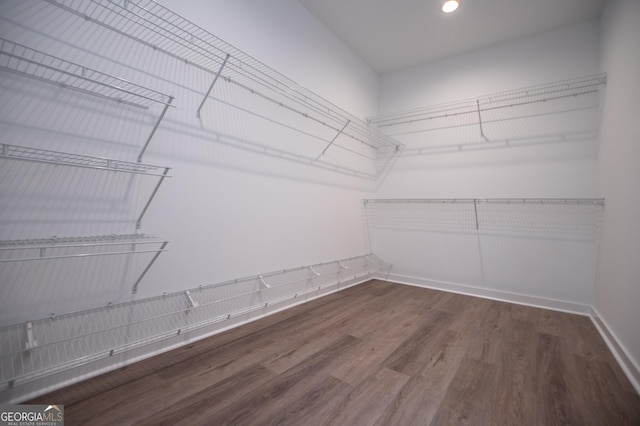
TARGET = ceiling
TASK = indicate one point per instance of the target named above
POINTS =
(395, 34)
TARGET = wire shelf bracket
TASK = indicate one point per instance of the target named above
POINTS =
(212, 84)
(14, 152)
(155, 127)
(334, 139)
(151, 197)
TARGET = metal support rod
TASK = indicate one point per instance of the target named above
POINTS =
(342, 265)
(334, 139)
(212, 84)
(192, 303)
(134, 290)
(153, 194)
(480, 121)
(313, 271)
(262, 281)
(475, 209)
(155, 127)
(31, 342)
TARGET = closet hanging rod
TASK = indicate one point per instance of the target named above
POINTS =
(22, 153)
(41, 66)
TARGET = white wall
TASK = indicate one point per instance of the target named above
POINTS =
(229, 210)
(285, 36)
(559, 170)
(618, 287)
(524, 263)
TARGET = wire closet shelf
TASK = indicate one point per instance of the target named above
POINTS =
(475, 106)
(40, 348)
(50, 248)
(22, 60)
(43, 156)
(23, 153)
(569, 218)
(155, 26)
(41, 66)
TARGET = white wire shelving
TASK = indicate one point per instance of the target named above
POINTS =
(155, 26)
(22, 60)
(66, 247)
(22, 153)
(569, 218)
(83, 247)
(40, 348)
(497, 119)
(507, 99)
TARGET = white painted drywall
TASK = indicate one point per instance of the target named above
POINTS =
(529, 265)
(617, 292)
(228, 210)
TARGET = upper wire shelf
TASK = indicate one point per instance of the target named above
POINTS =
(76, 160)
(507, 99)
(155, 26)
(28, 62)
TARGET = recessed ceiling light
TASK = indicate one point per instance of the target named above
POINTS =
(449, 6)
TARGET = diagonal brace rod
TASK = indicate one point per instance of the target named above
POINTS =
(153, 194)
(475, 209)
(212, 84)
(334, 139)
(480, 121)
(134, 290)
(155, 127)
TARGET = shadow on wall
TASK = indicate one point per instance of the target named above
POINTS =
(539, 247)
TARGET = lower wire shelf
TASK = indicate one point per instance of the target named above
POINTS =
(42, 348)
(68, 247)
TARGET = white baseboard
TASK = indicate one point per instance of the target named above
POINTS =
(626, 362)
(521, 299)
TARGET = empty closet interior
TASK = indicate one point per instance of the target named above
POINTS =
(160, 185)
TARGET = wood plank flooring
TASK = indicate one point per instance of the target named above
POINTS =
(375, 354)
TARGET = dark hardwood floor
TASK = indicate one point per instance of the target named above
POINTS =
(375, 354)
